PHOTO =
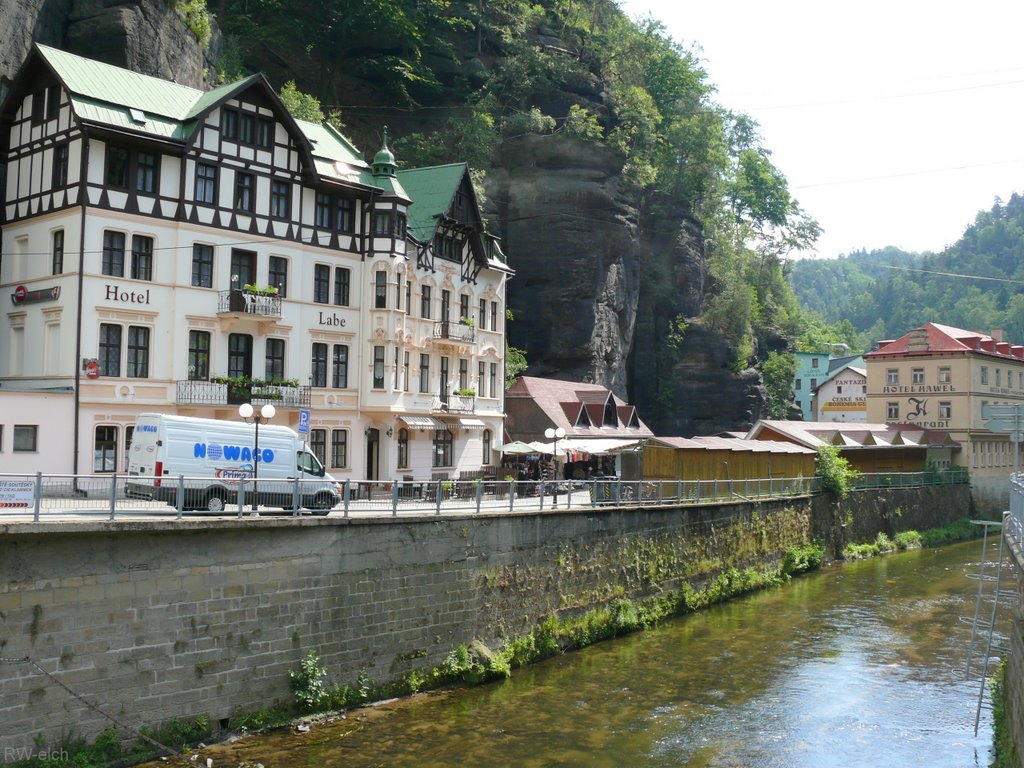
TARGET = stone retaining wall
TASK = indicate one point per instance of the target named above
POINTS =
(150, 621)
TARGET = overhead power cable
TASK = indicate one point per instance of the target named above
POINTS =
(954, 274)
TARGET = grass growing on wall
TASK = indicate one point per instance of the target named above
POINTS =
(961, 530)
(116, 748)
(1005, 751)
(474, 664)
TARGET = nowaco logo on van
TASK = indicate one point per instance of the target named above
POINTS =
(216, 451)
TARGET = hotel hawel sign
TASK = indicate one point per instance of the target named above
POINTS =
(918, 389)
(920, 408)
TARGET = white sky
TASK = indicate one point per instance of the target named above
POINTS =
(894, 122)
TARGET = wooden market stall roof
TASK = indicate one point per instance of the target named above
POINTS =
(725, 458)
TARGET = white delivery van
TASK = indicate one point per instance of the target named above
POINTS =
(217, 458)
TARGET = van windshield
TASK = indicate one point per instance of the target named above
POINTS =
(309, 464)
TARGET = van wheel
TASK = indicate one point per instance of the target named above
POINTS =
(215, 501)
(322, 505)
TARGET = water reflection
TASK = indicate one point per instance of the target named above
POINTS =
(859, 665)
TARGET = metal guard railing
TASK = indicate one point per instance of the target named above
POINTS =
(39, 496)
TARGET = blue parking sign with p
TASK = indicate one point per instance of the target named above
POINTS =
(304, 421)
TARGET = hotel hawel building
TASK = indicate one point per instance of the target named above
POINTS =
(940, 378)
(172, 250)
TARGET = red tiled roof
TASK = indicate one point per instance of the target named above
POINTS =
(933, 338)
(558, 399)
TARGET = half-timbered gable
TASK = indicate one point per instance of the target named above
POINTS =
(43, 145)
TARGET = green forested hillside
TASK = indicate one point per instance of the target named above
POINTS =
(975, 283)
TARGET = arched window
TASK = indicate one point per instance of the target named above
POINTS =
(486, 459)
(403, 448)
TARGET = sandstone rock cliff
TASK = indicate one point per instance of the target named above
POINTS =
(143, 35)
(570, 226)
(601, 275)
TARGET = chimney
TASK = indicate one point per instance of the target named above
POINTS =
(917, 340)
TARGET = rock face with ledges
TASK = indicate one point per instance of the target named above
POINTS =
(601, 275)
(569, 224)
(146, 36)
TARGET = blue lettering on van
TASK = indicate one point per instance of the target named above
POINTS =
(232, 453)
(145, 428)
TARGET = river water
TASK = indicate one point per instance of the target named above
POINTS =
(861, 664)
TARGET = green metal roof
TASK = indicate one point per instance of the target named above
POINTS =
(106, 94)
(207, 99)
(330, 144)
(121, 117)
(101, 82)
(432, 190)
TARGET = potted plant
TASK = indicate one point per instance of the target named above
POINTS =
(239, 387)
(465, 392)
(260, 290)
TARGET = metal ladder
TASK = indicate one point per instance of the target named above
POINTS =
(983, 632)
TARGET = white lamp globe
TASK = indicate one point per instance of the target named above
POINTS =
(245, 410)
(268, 411)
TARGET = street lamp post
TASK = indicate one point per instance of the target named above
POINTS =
(267, 412)
(557, 434)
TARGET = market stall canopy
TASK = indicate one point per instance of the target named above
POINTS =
(591, 447)
(597, 446)
(516, 447)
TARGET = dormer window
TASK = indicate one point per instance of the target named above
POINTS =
(246, 128)
(264, 133)
(229, 124)
(446, 247)
(38, 107)
(52, 102)
(611, 419)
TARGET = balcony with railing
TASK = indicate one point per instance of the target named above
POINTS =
(450, 331)
(454, 403)
(236, 392)
(243, 302)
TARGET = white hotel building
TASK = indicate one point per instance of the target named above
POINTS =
(146, 227)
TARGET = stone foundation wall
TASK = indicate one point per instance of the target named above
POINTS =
(150, 621)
